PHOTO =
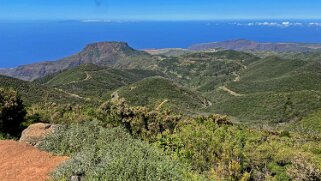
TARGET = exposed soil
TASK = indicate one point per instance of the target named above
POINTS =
(224, 88)
(22, 162)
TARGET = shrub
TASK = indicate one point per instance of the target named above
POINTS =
(59, 113)
(139, 121)
(12, 112)
(109, 154)
(303, 169)
(223, 151)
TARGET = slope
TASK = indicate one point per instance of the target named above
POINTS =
(273, 89)
(35, 93)
(205, 71)
(158, 92)
(94, 82)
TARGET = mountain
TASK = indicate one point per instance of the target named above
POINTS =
(92, 81)
(159, 92)
(112, 54)
(246, 45)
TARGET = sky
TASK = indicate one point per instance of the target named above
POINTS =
(158, 9)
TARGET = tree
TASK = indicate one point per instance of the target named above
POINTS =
(12, 112)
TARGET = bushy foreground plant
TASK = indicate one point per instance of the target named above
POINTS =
(211, 146)
(109, 154)
(139, 121)
(59, 113)
(231, 152)
(12, 112)
(214, 147)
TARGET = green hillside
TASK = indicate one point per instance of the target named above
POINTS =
(272, 89)
(205, 71)
(94, 82)
(158, 92)
(34, 93)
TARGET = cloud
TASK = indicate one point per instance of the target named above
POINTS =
(284, 24)
(314, 24)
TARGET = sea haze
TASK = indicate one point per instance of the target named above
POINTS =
(29, 42)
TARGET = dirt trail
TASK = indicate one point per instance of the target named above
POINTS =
(224, 88)
(22, 162)
(237, 74)
(88, 76)
(237, 77)
(70, 94)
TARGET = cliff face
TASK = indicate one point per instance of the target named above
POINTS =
(112, 54)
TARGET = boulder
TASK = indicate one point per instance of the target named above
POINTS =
(35, 133)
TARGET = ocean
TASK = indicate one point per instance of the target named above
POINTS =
(27, 42)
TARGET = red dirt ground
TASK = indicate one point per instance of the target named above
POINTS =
(22, 162)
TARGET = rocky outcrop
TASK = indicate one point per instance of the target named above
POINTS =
(35, 133)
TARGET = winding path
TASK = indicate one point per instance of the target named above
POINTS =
(224, 88)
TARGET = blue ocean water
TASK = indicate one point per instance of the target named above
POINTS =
(29, 42)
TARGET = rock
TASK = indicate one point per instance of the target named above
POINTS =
(35, 133)
(77, 178)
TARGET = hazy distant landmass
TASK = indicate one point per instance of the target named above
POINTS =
(243, 45)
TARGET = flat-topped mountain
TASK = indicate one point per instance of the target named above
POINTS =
(243, 45)
(112, 54)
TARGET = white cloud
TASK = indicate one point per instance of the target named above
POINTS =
(284, 24)
(314, 24)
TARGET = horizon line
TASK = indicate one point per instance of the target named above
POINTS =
(93, 20)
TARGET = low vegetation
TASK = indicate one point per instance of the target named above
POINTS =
(158, 92)
(99, 153)
(205, 147)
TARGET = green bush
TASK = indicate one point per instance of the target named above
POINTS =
(139, 121)
(109, 154)
(220, 150)
(12, 112)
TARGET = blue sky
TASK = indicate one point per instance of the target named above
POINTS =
(159, 9)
